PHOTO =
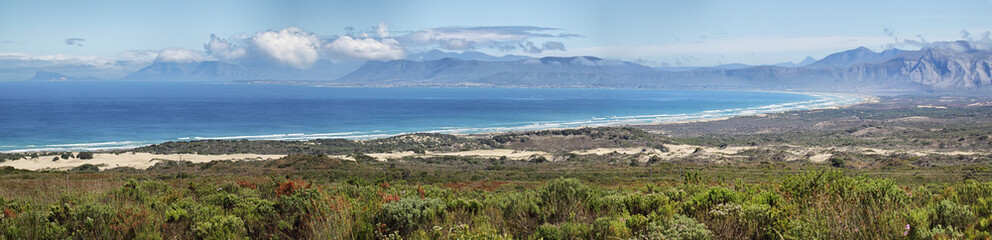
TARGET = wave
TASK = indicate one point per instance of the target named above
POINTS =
(93, 144)
(820, 101)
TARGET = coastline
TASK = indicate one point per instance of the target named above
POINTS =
(820, 101)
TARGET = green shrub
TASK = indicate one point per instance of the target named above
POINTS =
(409, 214)
(714, 196)
(471, 206)
(837, 162)
(549, 232)
(85, 168)
(611, 228)
(85, 155)
(88, 220)
(220, 227)
(948, 213)
(572, 230)
(563, 197)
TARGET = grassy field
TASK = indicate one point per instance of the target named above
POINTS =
(887, 170)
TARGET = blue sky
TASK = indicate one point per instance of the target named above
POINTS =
(655, 33)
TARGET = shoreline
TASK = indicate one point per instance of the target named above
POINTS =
(614, 121)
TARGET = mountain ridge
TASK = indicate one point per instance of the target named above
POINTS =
(955, 66)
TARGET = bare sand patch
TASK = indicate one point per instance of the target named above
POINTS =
(491, 153)
(819, 158)
(134, 160)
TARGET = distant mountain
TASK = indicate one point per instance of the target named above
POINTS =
(194, 71)
(806, 61)
(947, 66)
(731, 66)
(222, 71)
(466, 55)
(851, 57)
(858, 70)
(543, 72)
(49, 76)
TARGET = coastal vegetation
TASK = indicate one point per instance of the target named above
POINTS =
(316, 197)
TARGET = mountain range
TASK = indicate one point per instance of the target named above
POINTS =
(951, 66)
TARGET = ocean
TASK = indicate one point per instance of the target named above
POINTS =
(82, 116)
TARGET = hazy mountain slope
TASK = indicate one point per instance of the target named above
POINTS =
(466, 55)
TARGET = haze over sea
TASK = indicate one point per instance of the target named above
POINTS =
(52, 116)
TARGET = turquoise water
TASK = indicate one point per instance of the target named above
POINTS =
(36, 116)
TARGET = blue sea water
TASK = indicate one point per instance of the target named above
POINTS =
(47, 116)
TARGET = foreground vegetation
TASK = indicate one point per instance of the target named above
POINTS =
(316, 197)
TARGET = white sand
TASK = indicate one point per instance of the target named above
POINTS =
(819, 158)
(134, 160)
(493, 153)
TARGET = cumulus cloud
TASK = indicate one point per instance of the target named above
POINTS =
(75, 42)
(300, 49)
(366, 48)
(181, 55)
(290, 46)
(224, 49)
(503, 38)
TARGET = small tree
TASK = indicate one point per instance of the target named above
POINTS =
(837, 162)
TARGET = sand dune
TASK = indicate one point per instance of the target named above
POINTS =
(134, 160)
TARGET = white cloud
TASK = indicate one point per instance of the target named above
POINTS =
(748, 50)
(456, 44)
(366, 48)
(290, 46)
(382, 30)
(19, 66)
(181, 55)
(503, 38)
(224, 49)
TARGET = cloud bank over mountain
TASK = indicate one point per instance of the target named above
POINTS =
(294, 48)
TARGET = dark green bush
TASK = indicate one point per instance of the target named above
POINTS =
(702, 202)
(409, 214)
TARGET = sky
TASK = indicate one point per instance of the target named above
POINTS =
(110, 38)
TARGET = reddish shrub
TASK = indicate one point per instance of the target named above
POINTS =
(9, 213)
(246, 184)
(291, 186)
(387, 198)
